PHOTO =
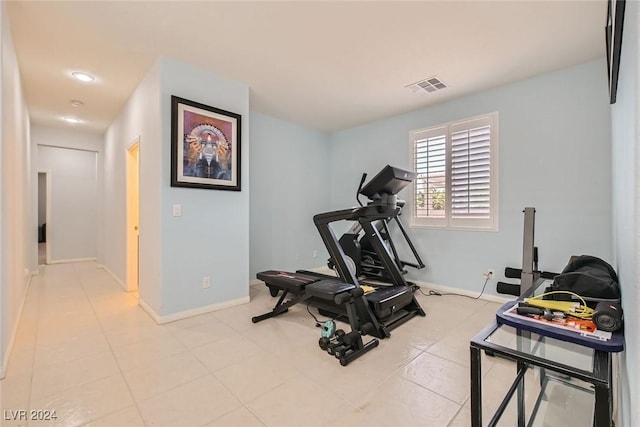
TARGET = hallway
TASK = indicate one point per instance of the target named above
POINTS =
(87, 351)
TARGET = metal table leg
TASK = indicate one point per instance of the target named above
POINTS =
(603, 410)
(476, 387)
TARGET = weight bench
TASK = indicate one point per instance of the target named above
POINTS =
(292, 284)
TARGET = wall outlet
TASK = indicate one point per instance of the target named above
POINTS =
(488, 274)
(315, 253)
(206, 282)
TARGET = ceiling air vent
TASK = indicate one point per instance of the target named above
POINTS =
(429, 85)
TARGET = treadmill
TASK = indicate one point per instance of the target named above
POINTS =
(391, 304)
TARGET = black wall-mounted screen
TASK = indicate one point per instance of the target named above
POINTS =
(613, 39)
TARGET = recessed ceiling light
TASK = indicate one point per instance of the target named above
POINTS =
(71, 120)
(83, 77)
(76, 103)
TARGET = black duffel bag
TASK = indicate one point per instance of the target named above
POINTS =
(590, 277)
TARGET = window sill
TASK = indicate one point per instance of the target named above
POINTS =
(454, 228)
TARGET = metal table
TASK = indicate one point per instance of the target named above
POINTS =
(559, 361)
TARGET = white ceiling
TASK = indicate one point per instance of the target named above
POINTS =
(326, 65)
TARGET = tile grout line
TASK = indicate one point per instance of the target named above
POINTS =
(213, 375)
(35, 342)
(186, 351)
(94, 303)
(35, 346)
(135, 402)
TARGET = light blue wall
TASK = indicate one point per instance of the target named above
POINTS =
(289, 184)
(211, 238)
(625, 133)
(554, 154)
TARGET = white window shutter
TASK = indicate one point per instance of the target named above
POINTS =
(471, 173)
(430, 152)
(430, 166)
(456, 166)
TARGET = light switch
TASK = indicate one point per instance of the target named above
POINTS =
(177, 210)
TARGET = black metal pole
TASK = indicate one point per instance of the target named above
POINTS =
(383, 252)
(410, 243)
(476, 387)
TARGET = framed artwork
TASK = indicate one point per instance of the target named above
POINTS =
(205, 146)
(613, 38)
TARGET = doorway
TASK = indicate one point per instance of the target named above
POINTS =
(133, 215)
(43, 216)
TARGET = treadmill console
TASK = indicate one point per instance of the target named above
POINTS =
(383, 187)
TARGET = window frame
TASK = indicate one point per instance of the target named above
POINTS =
(447, 222)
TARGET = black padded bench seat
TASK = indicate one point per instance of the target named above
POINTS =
(299, 287)
(291, 284)
(286, 281)
(328, 289)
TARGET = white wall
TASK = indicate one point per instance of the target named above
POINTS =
(73, 158)
(72, 232)
(554, 154)
(289, 185)
(67, 136)
(17, 255)
(625, 137)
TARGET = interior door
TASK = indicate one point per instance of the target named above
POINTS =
(133, 216)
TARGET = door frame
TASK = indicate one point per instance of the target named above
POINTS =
(133, 215)
(47, 215)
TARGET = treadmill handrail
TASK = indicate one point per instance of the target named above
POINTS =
(421, 264)
(366, 216)
(353, 214)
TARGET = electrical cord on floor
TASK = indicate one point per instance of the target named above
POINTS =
(438, 294)
(318, 322)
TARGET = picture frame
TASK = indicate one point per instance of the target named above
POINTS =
(205, 146)
(613, 39)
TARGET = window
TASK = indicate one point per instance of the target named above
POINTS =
(457, 166)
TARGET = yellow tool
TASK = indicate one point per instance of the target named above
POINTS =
(581, 311)
(367, 289)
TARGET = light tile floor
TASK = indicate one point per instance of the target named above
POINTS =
(85, 349)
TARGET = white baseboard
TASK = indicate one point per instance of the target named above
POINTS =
(14, 332)
(159, 319)
(116, 278)
(65, 261)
